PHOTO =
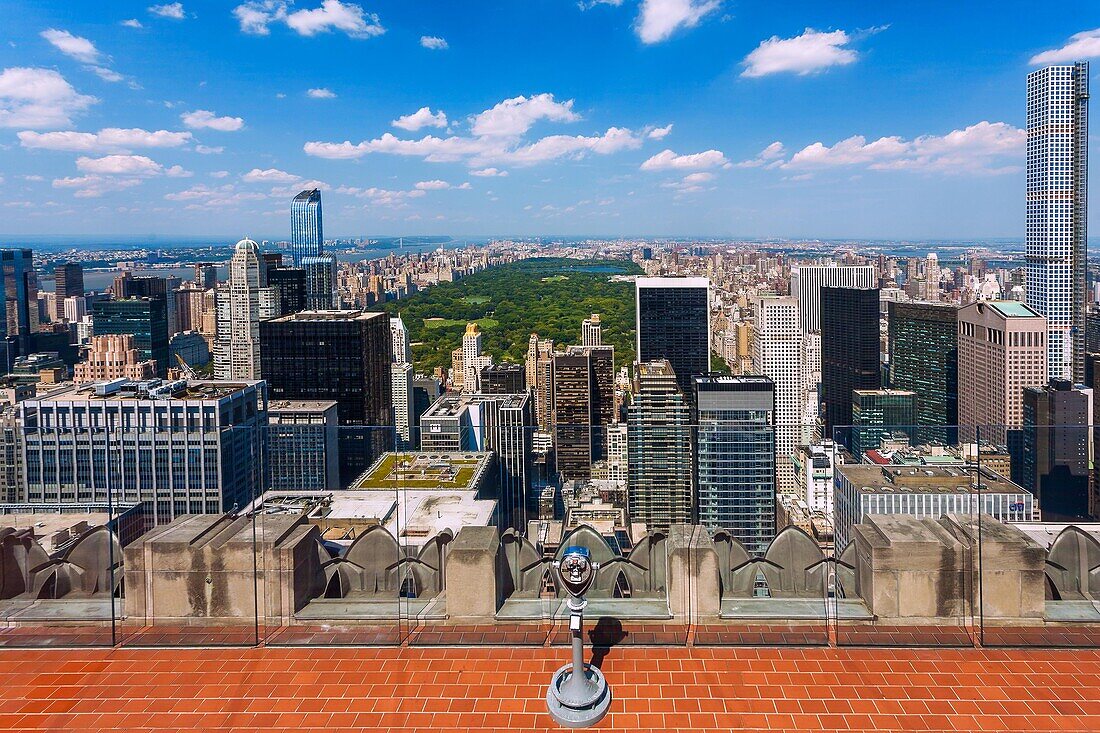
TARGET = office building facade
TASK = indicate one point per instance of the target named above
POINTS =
(241, 304)
(186, 447)
(924, 359)
(777, 354)
(146, 319)
(808, 280)
(303, 451)
(1058, 449)
(849, 352)
(878, 414)
(659, 442)
(68, 278)
(672, 316)
(735, 457)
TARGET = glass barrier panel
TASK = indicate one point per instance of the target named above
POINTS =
(1040, 583)
(762, 522)
(625, 501)
(191, 579)
(903, 514)
(62, 537)
(331, 523)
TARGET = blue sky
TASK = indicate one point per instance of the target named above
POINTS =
(620, 117)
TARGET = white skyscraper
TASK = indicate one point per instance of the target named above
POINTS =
(1057, 191)
(241, 304)
(402, 352)
(401, 390)
(777, 353)
(807, 281)
(591, 331)
(472, 359)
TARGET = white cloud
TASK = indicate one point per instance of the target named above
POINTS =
(422, 117)
(768, 157)
(72, 46)
(335, 15)
(589, 4)
(321, 93)
(659, 133)
(1083, 45)
(107, 139)
(668, 160)
(132, 23)
(202, 118)
(382, 196)
(168, 10)
(659, 19)
(270, 175)
(552, 147)
(105, 74)
(497, 138)
(805, 54)
(94, 186)
(120, 165)
(255, 17)
(209, 149)
(435, 43)
(38, 98)
(982, 148)
(436, 185)
(198, 192)
(513, 117)
(691, 183)
(488, 173)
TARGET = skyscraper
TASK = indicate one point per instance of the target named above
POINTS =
(146, 319)
(473, 361)
(241, 304)
(401, 390)
(673, 323)
(1057, 198)
(807, 281)
(1002, 350)
(735, 457)
(402, 352)
(307, 237)
(68, 278)
(582, 405)
(924, 359)
(777, 354)
(879, 413)
(321, 293)
(503, 378)
(336, 355)
(592, 331)
(849, 352)
(19, 317)
(659, 469)
(291, 284)
(1057, 449)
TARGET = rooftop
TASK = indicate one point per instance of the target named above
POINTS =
(504, 688)
(894, 478)
(329, 315)
(425, 470)
(673, 282)
(124, 389)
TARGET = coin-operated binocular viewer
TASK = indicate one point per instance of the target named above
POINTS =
(578, 696)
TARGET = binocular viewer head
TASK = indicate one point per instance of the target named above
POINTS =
(576, 571)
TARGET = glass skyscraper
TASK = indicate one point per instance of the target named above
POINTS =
(146, 319)
(673, 320)
(1057, 197)
(307, 236)
(924, 358)
(735, 471)
(19, 304)
(849, 351)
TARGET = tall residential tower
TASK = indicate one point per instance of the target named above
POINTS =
(307, 236)
(1057, 193)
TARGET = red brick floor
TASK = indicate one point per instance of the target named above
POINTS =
(502, 688)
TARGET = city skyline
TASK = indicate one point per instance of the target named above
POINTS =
(703, 119)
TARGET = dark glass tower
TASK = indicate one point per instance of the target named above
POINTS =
(68, 280)
(924, 359)
(307, 236)
(503, 378)
(735, 471)
(336, 355)
(673, 322)
(19, 318)
(144, 318)
(291, 284)
(849, 351)
(1056, 450)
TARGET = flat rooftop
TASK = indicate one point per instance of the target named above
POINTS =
(329, 315)
(459, 471)
(144, 391)
(300, 405)
(924, 479)
(451, 404)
